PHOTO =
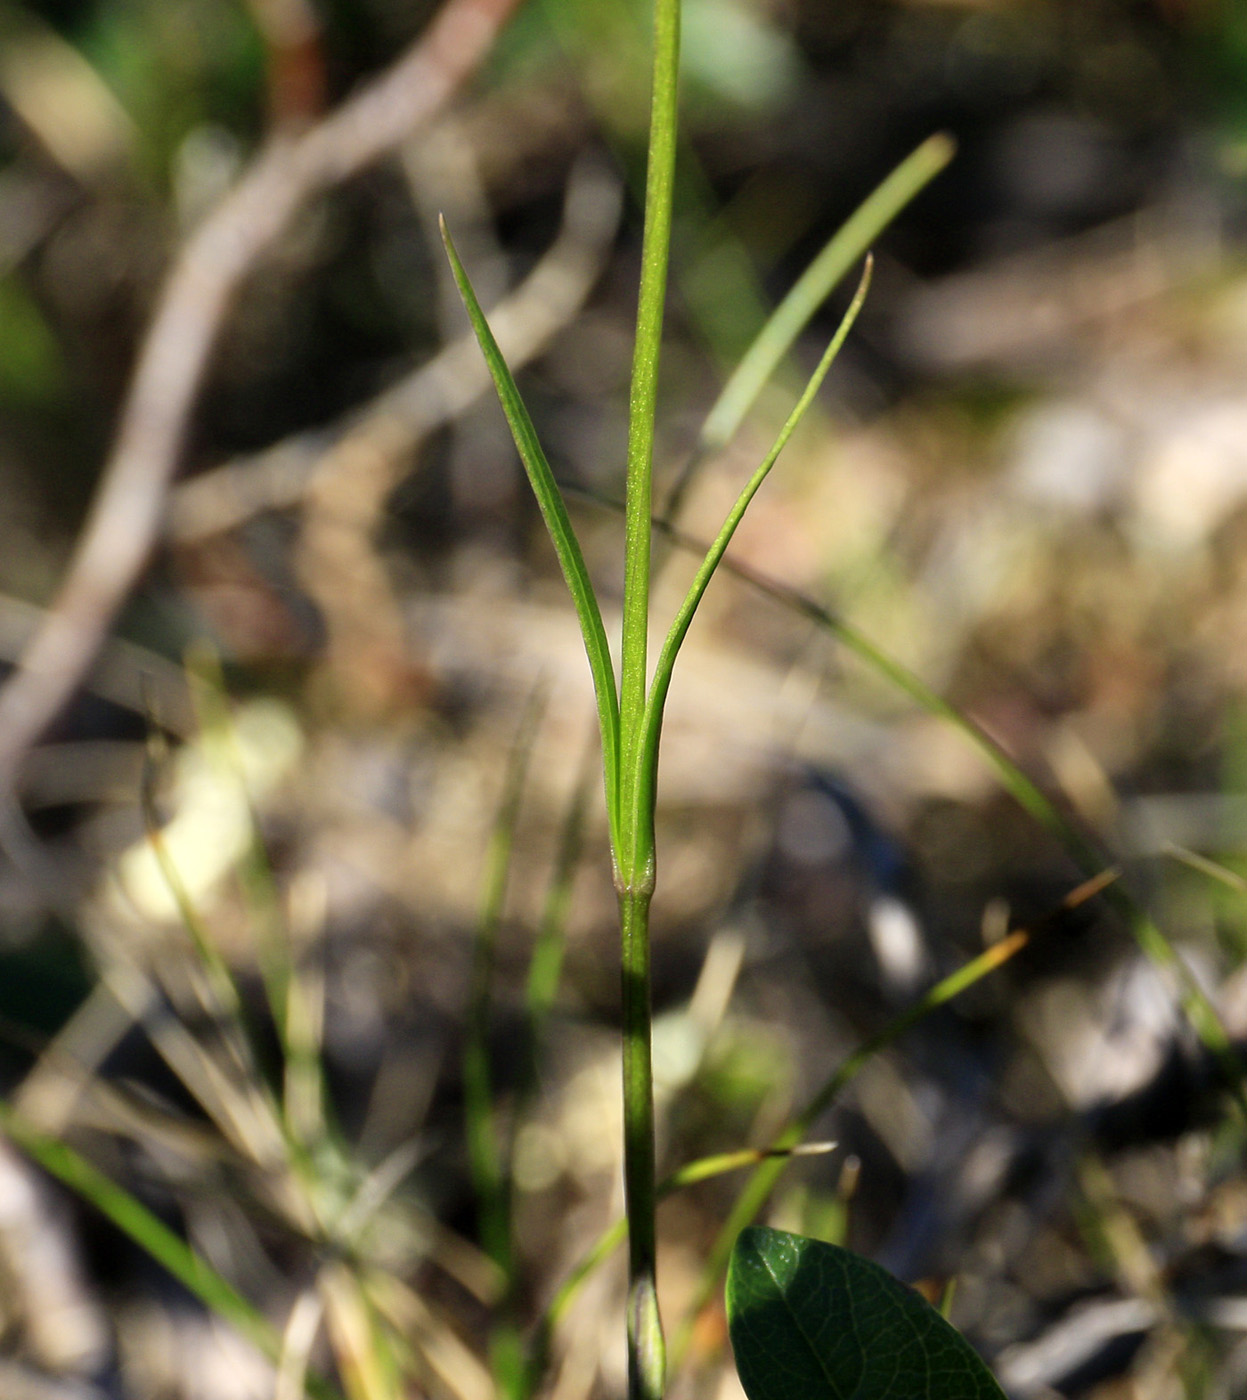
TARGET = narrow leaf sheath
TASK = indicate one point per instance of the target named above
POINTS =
(563, 537)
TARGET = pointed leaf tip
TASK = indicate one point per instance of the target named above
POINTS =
(811, 1321)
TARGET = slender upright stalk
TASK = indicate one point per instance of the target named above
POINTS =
(646, 1347)
(634, 846)
(634, 855)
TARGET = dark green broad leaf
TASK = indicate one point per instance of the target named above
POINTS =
(809, 1320)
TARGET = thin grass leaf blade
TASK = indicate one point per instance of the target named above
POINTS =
(765, 1176)
(777, 336)
(486, 1152)
(546, 962)
(648, 753)
(811, 1321)
(151, 1234)
(1199, 1010)
(223, 746)
(815, 285)
(563, 537)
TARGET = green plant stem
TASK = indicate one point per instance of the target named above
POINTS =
(646, 1348)
(789, 1144)
(635, 856)
(634, 844)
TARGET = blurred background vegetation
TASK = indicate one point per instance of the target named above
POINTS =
(1027, 479)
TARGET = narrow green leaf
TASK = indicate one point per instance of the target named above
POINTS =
(811, 1321)
(546, 964)
(554, 512)
(221, 742)
(846, 246)
(816, 284)
(484, 1143)
(647, 758)
(1196, 1006)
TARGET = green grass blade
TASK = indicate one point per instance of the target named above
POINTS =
(265, 918)
(303, 1108)
(763, 1181)
(846, 247)
(241, 1037)
(706, 1168)
(169, 1250)
(488, 1149)
(545, 966)
(485, 1148)
(772, 1160)
(1196, 1006)
(216, 969)
(1222, 874)
(566, 545)
(648, 753)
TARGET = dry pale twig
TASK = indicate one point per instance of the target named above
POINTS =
(343, 476)
(129, 504)
(435, 393)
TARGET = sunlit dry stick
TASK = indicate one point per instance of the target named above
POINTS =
(400, 418)
(198, 293)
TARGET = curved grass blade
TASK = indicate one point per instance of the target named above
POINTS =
(545, 966)
(763, 1181)
(703, 1169)
(169, 1250)
(1203, 1016)
(487, 1149)
(221, 742)
(220, 978)
(647, 757)
(771, 1161)
(1214, 869)
(563, 537)
(807, 294)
